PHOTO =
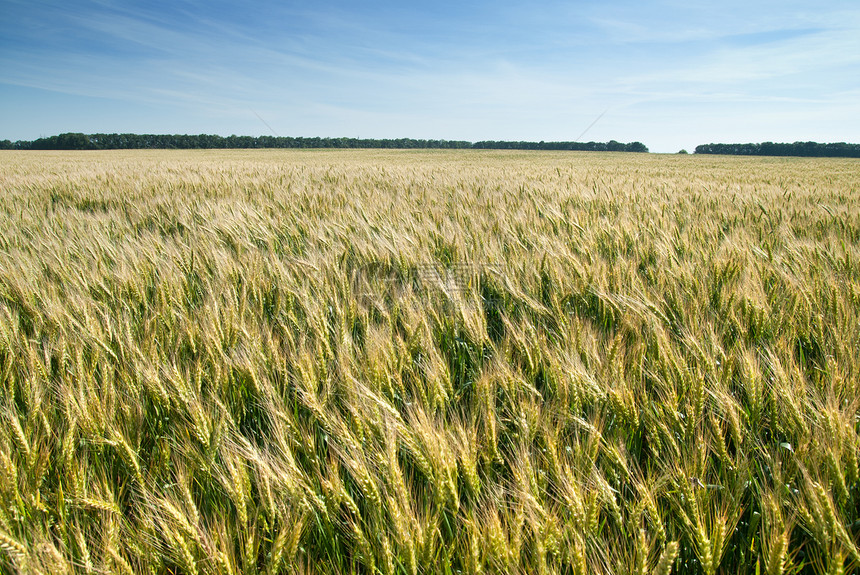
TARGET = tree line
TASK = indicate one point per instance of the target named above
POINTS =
(77, 141)
(806, 149)
(610, 146)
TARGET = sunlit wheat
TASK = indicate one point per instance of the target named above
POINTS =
(421, 362)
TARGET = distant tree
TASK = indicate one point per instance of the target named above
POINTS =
(807, 149)
(77, 141)
(6, 145)
(68, 141)
(682, 151)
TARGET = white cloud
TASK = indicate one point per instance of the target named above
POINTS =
(666, 71)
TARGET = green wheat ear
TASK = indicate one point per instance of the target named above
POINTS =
(667, 559)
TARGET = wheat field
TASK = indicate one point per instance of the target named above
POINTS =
(428, 362)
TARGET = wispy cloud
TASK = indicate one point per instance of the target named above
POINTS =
(469, 70)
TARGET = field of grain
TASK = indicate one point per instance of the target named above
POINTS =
(428, 362)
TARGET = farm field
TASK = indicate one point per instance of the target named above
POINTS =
(428, 362)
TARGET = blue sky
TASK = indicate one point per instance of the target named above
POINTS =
(670, 74)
